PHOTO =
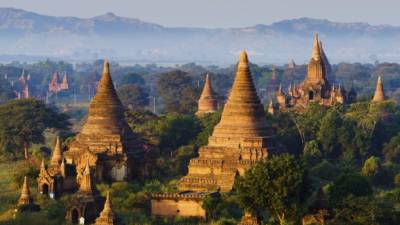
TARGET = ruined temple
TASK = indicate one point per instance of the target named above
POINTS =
(208, 100)
(239, 140)
(379, 95)
(315, 88)
(56, 86)
(57, 177)
(106, 140)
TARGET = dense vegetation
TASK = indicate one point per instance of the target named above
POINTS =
(344, 158)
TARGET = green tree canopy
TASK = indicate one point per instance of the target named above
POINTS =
(133, 95)
(277, 185)
(22, 122)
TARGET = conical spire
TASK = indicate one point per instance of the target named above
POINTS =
(271, 109)
(207, 102)
(25, 198)
(106, 114)
(86, 184)
(107, 216)
(243, 115)
(316, 51)
(379, 95)
(57, 153)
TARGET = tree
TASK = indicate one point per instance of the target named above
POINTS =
(391, 150)
(278, 185)
(133, 95)
(22, 122)
(6, 92)
(177, 93)
(327, 135)
(349, 184)
(133, 78)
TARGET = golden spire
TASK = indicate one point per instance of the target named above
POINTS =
(207, 102)
(107, 216)
(25, 198)
(379, 95)
(243, 115)
(86, 184)
(316, 51)
(57, 153)
(271, 109)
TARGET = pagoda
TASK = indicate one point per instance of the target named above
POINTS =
(239, 140)
(316, 86)
(379, 95)
(106, 140)
(107, 216)
(208, 101)
(25, 198)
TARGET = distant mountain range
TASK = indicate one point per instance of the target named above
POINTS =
(27, 35)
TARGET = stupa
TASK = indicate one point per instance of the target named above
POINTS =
(239, 140)
(106, 140)
(379, 95)
(25, 198)
(107, 215)
(208, 101)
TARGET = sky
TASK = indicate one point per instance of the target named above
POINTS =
(220, 13)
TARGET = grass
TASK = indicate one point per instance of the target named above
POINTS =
(9, 193)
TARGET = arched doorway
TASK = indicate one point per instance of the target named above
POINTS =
(310, 95)
(45, 189)
(75, 216)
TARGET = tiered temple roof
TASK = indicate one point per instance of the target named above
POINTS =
(208, 101)
(379, 95)
(105, 129)
(238, 141)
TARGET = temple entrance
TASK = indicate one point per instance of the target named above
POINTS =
(119, 172)
(310, 95)
(45, 189)
(75, 216)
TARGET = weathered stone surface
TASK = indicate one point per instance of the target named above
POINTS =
(106, 140)
(239, 140)
(208, 100)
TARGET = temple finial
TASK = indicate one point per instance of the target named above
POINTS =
(316, 52)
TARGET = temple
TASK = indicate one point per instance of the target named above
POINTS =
(208, 101)
(239, 140)
(57, 177)
(106, 140)
(315, 88)
(21, 87)
(379, 95)
(84, 206)
(107, 215)
(56, 86)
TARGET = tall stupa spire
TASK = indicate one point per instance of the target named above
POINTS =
(207, 102)
(57, 156)
(107, 216)
(25, 198)
(243, 115)
(379, 95)
(316, 51)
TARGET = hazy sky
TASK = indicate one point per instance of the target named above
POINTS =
(220, 13)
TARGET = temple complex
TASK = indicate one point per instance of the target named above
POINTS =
(57, 177)
(239, 140)
(56, 86)
(315, 87)
(208, 100)
(107, 215)
(84, 206)
(379, 95)
(105, 140)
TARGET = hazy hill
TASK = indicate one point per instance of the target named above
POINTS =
(25, 33)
